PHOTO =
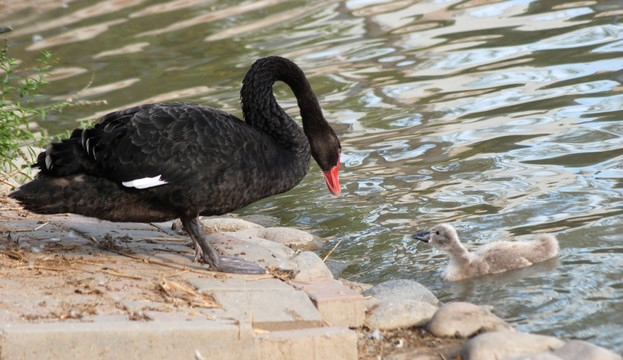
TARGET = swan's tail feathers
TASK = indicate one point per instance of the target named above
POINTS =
(549, 244)
(51, 195)
(66, 157)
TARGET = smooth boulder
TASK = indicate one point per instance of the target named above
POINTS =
(507, 345)
(463, 320)
(399, 304)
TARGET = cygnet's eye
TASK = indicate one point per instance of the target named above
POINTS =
(437, 232)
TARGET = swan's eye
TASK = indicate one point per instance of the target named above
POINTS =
(437, 232)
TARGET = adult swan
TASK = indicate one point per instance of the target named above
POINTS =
(157, 162)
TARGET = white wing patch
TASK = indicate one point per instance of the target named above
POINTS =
(144, 183)
(48, 161)
(48, 158)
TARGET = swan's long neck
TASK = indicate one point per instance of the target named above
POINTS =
(261, 109)
(459, 255)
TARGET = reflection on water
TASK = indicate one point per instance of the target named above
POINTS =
(503, 117)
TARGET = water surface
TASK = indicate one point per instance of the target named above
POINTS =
(502, 117)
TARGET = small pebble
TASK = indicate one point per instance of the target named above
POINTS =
(375, 335)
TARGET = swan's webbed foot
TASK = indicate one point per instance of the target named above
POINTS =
(198, 252)
(204, 252)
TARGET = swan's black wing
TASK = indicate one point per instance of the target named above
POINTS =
(176, 141)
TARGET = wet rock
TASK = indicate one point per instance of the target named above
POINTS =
(399, 304)
(293, 238)
(539, 356)
(310, 266)
(507, 345)
(573, 350)
(264, 220)
(336, 266)
(582, 350)
(402, 289)
(398, 313)
(463, 320)
(227, 224)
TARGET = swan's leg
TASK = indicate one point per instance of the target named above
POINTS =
(204, 251)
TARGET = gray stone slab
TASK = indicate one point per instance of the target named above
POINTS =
(99, 228)
(338, 304)
(127, 340)
(268, 304)
(308, 344)
(239, 283)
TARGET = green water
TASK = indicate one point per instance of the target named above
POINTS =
(502, 117)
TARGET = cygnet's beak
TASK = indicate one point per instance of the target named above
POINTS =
(423, 236)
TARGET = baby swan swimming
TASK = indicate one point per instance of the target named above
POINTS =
(495, 257)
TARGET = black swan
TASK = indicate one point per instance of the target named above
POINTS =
(162, 161)
(494, 257)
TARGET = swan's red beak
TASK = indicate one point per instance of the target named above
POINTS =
(333, 182)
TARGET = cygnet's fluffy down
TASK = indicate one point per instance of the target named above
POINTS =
(495, 257)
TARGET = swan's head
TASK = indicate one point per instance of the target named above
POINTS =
(326, 150)
(442, 236)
